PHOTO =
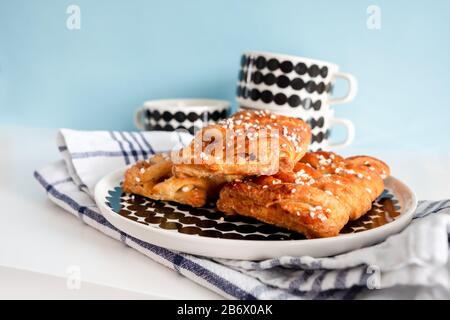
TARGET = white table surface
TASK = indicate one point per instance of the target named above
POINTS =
(39, 241)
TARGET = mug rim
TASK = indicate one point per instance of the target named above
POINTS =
(292, 57)
(186, 103)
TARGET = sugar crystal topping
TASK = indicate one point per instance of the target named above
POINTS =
(324, 161)
(186, 188)
(276, 181)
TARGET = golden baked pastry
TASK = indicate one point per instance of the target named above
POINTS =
(321, 194)
(154, 179)
(247, 143)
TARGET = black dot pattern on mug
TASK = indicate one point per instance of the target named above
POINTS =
(181, 116)
(319, 137)
(280, 98)
(283, 82)
(168, 121)
(316, 123)
(285, 66)
(209, 222)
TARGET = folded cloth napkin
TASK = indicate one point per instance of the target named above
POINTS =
(416, 257)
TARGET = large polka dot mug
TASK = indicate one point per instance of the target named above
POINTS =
(297, 87)
(281, 82)
(173, 114)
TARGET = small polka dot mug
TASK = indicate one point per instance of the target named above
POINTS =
(322, 125)
(187, 114)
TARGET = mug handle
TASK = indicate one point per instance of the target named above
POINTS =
(352, 88)
(138, 118)
(350, 133)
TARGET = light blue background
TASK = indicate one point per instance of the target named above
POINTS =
(130, 51)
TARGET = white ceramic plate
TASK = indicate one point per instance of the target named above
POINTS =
(208, 232)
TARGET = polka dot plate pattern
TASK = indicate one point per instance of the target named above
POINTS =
(209, 222)
(208, 232)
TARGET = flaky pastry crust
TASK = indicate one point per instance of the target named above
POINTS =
(321, 194)
(280, 142)
(154, 179)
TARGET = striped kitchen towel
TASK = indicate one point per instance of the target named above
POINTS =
(418, 257)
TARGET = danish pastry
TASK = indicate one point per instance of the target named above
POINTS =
(321, 194)
(154, 179)
(248, 143)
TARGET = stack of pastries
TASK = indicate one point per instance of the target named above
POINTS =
(313, 193)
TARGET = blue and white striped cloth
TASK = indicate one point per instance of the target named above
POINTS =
(418, 257)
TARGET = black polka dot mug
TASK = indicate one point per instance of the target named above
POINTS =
(322, 124)
(174, 114)
(281, 82)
